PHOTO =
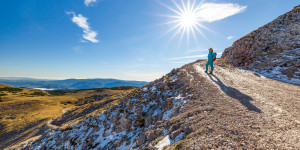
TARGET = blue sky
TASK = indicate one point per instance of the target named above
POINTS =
(123, 39)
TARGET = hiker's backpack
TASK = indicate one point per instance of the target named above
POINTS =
(214, 58)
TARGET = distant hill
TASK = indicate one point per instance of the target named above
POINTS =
(72, 84)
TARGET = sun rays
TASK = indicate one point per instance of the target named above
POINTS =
(188, 16)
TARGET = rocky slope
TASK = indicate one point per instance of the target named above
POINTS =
(272, 50)
(189, 109)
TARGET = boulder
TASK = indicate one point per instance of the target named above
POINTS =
(174, 134)
(174, 127)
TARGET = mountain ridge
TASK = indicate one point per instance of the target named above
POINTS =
(72, 84)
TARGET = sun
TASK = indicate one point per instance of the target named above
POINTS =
(185, 19)
(188, 19)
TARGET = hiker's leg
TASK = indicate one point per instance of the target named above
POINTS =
(212, 66)
(207, 66)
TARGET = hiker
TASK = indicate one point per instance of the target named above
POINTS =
(211, 59)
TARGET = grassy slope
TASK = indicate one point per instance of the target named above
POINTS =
(24, 112)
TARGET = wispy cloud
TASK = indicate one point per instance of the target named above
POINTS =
(189, 57)
(210, 12)
(184, 62)
(78, 50)
(89, 2)
(186, 57)
(229, 37)
(81, 21)
(196, 50)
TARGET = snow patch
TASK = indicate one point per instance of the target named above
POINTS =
(164, 142)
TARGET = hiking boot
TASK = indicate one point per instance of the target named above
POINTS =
(210, 73)
(205, 71)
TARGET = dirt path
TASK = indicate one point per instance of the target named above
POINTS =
(277, 104)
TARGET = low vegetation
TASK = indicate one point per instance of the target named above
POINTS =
(39, 93)
(11, 89)
(3, 94)
(177, 146)
(158, 140)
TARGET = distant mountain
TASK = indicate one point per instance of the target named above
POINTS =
(68, 83)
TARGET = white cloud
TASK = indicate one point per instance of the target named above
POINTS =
(229, 37)
(81, 21)
(89, 2)
(210, 12)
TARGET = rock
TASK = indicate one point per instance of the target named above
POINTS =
(139, 121)
(161, 86)
(114, 118)
(117, 143)
(148, 120)
(170, 105)
(174, 127)
(124, 123)
(166, 88)
(141, 139)
(186, 129)
(174, 134)
(298, 53)
(153, 134)
(209, 127)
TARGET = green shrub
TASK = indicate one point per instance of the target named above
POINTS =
(11, 89)
(39, 93)
(123, 88)
(3, 94)
(65, 102)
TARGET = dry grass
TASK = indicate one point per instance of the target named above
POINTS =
(177, 146)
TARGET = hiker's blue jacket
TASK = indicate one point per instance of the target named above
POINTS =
(211, 55)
